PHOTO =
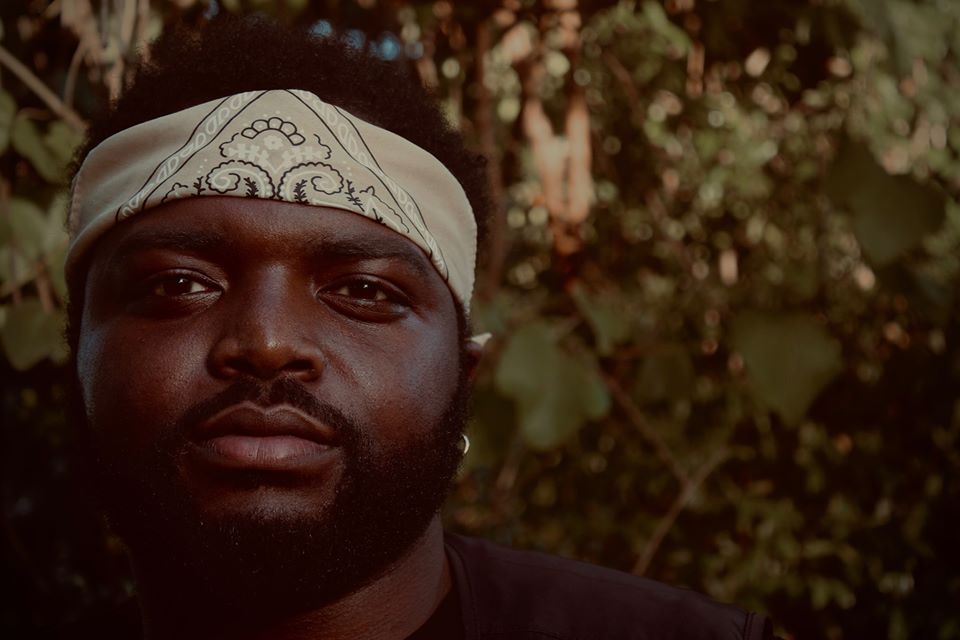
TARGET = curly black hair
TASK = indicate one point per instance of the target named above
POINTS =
(187, 66)
(190, 65)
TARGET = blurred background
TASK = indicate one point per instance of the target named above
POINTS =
(722, 280)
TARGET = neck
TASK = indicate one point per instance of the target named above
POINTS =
(391, 607)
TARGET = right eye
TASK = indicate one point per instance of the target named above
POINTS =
(178, 285)
(174, 293)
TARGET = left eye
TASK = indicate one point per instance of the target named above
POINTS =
(360, 290)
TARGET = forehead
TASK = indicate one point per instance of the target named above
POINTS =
(258, 228)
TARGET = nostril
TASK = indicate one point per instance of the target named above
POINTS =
(240, 366)
(302, 367)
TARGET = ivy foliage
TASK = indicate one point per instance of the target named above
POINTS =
(721, 285)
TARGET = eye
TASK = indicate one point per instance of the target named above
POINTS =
(177, 285)
(173, 293)
(360, 290)
(366, 298)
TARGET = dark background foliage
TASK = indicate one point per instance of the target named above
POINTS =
(721, 281)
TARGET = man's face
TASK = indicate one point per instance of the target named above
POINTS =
(280, 380)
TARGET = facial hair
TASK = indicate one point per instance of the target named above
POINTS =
(283, 563)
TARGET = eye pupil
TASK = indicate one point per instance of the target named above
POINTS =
(361, 291)
(364, 290)
(180, 285)
(175, 286)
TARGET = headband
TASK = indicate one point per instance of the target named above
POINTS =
(277, 145)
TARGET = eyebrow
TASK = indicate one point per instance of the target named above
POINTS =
(319, 247)
(364, 248)
(192, 242)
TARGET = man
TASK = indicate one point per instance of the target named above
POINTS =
(273, 240)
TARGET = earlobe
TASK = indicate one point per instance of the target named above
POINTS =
(472, 354)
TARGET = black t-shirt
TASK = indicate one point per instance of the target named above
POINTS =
(123, 623)
(505, 594)
(446, 623)
(508, 594)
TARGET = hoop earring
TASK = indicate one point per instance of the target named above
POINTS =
(466, 444)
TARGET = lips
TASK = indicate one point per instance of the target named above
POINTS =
(248, 436)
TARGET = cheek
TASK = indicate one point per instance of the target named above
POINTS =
(403, 386)
(134, 382)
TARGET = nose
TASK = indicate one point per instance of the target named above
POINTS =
(267, 333)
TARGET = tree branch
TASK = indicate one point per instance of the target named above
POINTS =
(679, 504)
(11, 255)
(577, 129)
(36, 85)
(649, 434)
(497, 238)
(625, 79)
(507, 477)
(69, 87)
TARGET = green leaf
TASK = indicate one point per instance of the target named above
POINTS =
(29, 144)
(15, 271)
(555, 392)
(492, 315)
(30, 334)
(8, 109)
(55, 237)
(789, 360)
(661, 24)
(491, 426)
(919, 32)
(28, 227)
(666, 376)
(49, 153)
(55, 261)
(610, 324)
(891, 214)
(62, 140)
(874, 14)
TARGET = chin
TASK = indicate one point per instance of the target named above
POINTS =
(264, 496)
(266, 505)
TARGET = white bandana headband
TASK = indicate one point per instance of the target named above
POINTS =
(283, 145)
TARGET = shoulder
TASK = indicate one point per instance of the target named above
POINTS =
(517, 594)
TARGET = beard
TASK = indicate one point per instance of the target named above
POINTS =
(280, 562)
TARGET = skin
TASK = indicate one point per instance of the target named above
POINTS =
(183, 301)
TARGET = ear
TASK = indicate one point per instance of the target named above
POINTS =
(472, 353)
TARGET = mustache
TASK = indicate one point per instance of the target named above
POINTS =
(280, 391)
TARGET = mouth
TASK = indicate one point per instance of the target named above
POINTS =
(250, 437)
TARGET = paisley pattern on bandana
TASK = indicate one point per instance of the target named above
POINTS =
(320, 160)
(286, 145)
